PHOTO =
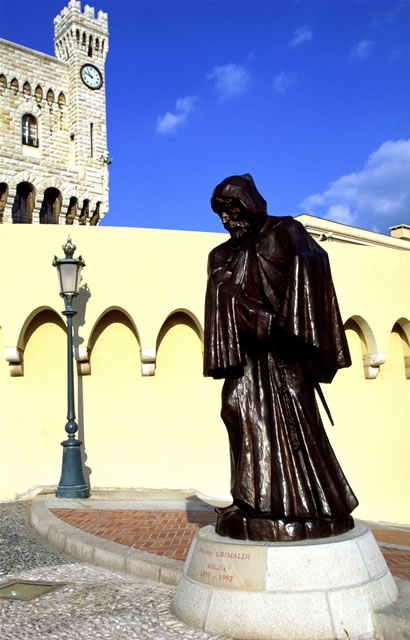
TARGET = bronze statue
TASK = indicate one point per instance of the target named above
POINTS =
(273, 330)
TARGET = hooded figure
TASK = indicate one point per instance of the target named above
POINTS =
(273, 330)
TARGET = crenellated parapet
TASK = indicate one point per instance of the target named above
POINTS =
(81, 31)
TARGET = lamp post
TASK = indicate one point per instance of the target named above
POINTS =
(72, 483)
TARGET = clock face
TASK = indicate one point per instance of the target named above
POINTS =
(91, 76)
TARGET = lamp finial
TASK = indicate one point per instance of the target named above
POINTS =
(69, 247)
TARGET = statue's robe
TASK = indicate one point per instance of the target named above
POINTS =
(273, 330)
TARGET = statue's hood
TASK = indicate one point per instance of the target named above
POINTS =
(243, 189)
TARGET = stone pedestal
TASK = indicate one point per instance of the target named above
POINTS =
(322, 589)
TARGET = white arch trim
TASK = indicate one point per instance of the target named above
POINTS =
(149, 355)
(15, 355)
(372, 359)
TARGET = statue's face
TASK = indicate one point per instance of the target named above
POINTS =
(233, 218)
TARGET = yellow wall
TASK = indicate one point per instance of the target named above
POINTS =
(144, 289)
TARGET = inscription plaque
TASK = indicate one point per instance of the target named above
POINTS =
(230, 566)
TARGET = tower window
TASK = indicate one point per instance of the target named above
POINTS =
(27, 89)
(90, 47)
(29, 130)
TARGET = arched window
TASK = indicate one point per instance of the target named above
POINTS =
(23, 205)
(95, 218)
(72, 210)
(4, 192)
(51, 206)
(85, 210)
(3, 81)
(27, 89)
(29, 130)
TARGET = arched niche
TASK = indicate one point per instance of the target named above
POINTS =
(111, 316)
(181, 316)
(38, 94)
(50, 97)
(401, 329)
(183, 319)
(14, 355)
(372, 359)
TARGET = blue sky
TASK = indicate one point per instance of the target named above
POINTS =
(310, 97)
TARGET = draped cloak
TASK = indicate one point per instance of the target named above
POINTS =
(273, 330)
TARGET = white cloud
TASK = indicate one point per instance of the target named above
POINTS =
(361, 50)
(170, 122)
(230, 80)
(283, 81)
(377, 196)
(301, 35)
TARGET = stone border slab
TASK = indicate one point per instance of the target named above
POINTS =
(90, 548)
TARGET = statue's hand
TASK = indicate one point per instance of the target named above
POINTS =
(253, 317)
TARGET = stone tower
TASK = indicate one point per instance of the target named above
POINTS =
(53, 141)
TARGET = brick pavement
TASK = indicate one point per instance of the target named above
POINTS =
(169, 532)
(163, 532)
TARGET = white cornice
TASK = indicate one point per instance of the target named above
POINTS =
(326, 230)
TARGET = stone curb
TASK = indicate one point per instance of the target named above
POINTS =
(104, 553)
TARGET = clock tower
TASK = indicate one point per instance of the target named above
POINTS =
(53, 138)
(81, 39)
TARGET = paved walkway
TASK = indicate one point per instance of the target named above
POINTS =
(106, 553)
(166, 531)
(92, 603)
(170, 533)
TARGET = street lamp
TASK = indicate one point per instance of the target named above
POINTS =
(72, 483)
